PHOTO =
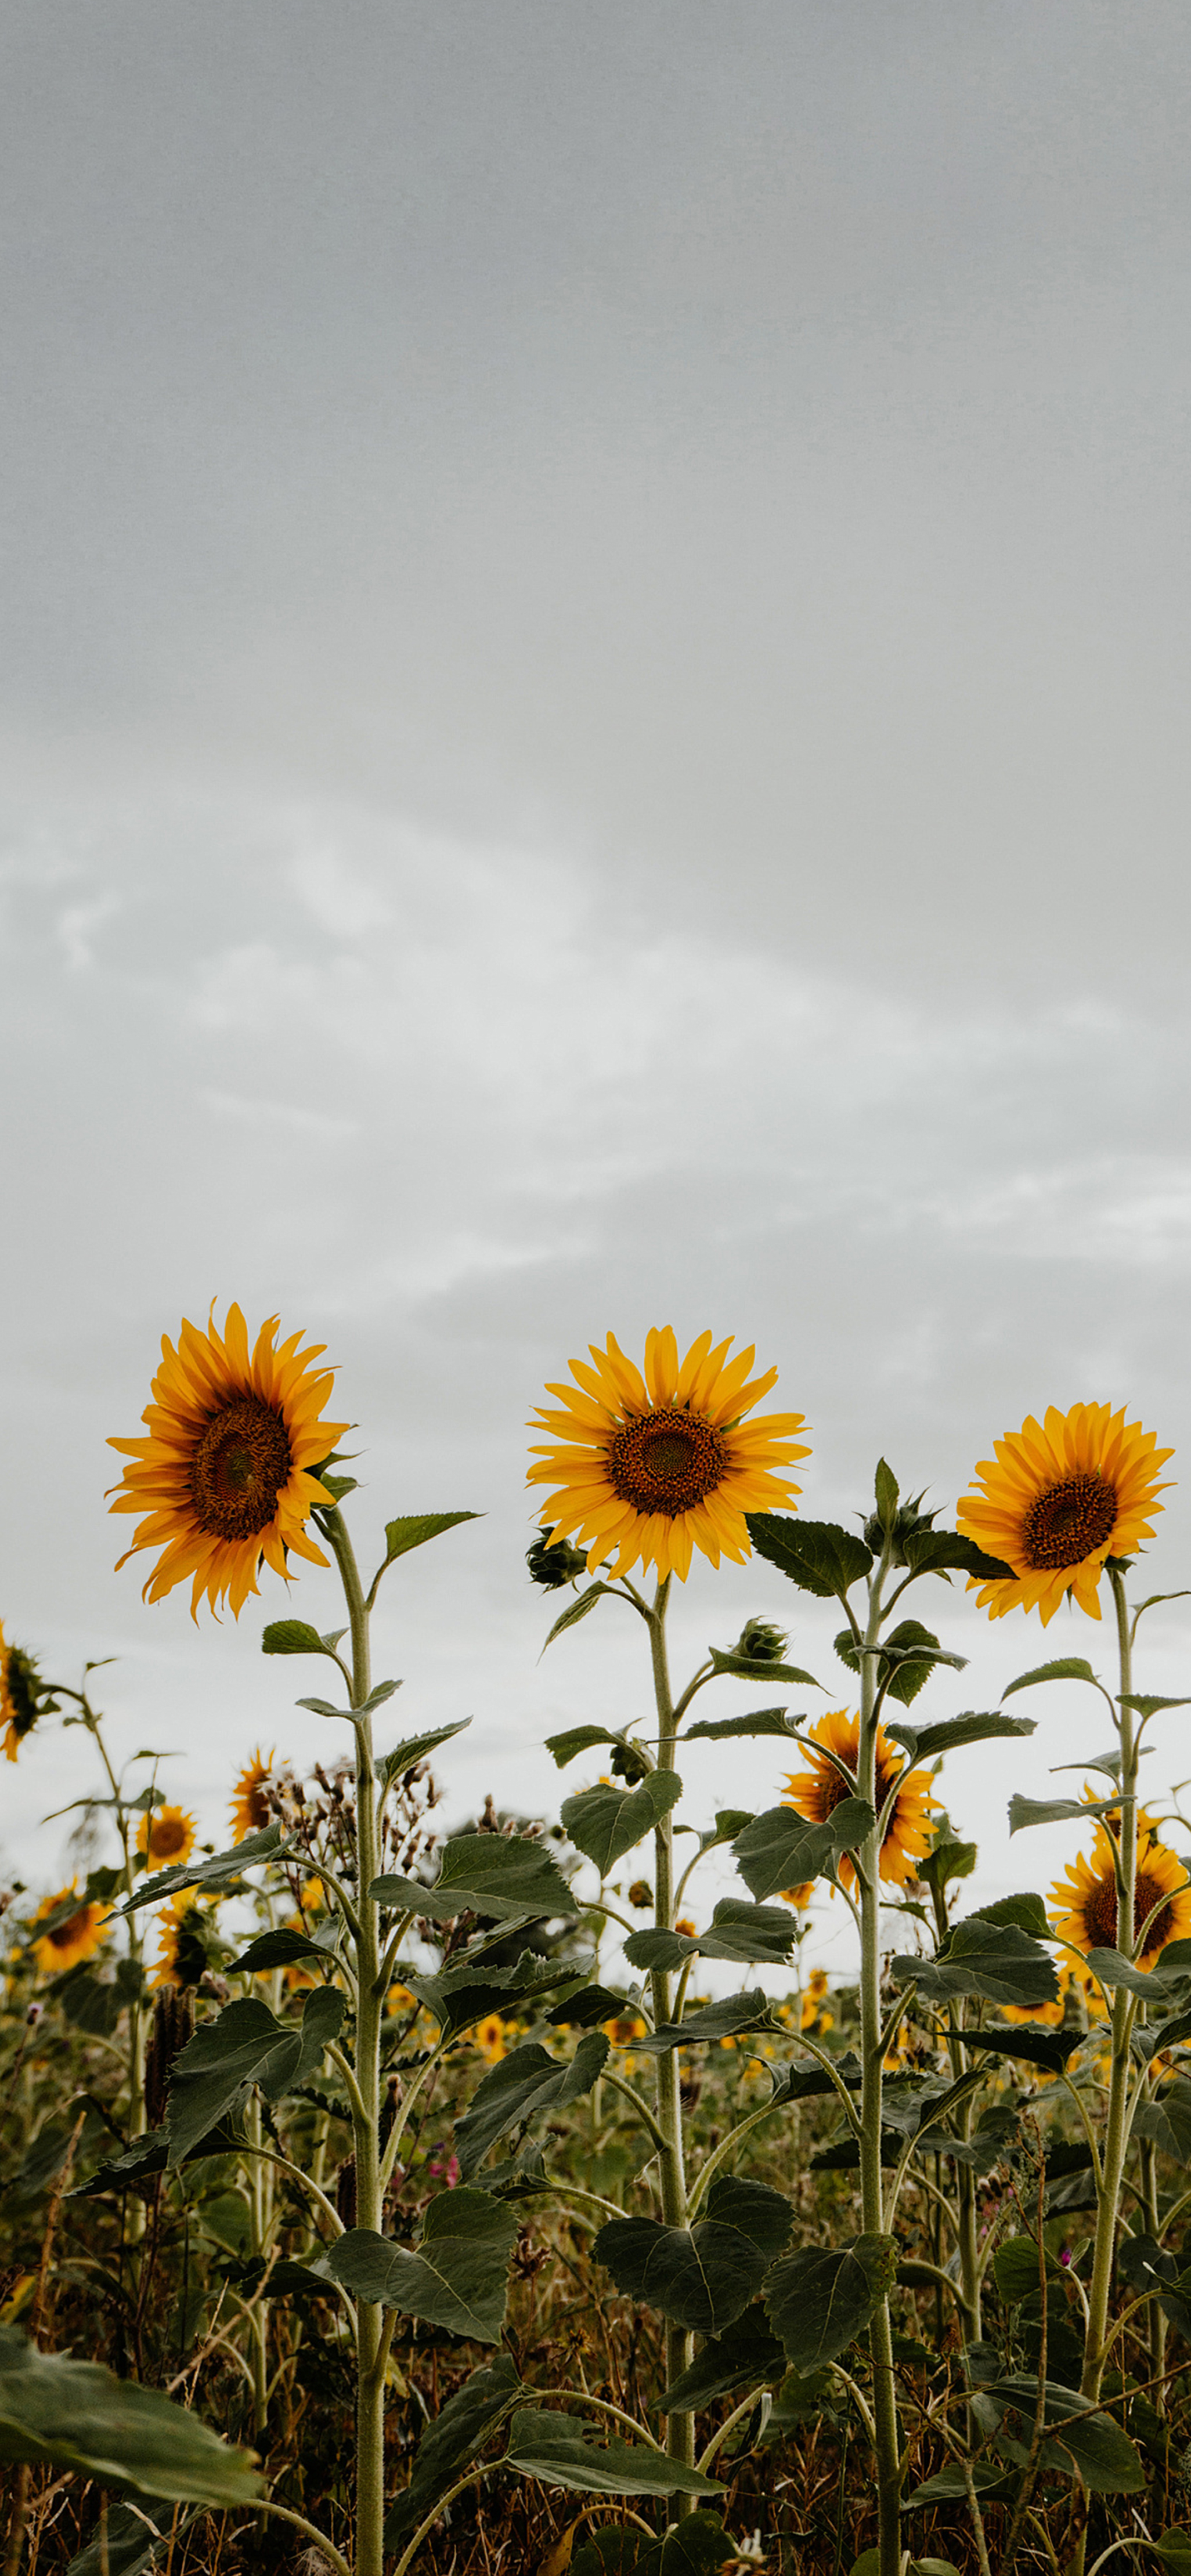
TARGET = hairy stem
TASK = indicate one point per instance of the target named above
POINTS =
(680, 2429)
(887, 2442)
(1116, 2132)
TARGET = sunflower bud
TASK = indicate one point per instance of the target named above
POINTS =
(172, 2025)
(23, 1696)
(554, 1562)
(906, 1519)
(640, 1893)
(627, 1764)
(761, 1642)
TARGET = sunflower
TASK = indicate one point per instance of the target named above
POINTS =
(652, 1466)
(1057, 1500)
(816, 1792)
(21, 1694)
(224, 1476)
(167, 1835)
(250, 1807)
(181, 1950)
(64, 1944)
(1087, 1897)
(1052, 2014)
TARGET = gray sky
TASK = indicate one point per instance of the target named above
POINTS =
(593, 682)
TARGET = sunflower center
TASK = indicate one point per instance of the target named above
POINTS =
(666, 1461)
(239, 1468)
(1068, 1522)
(1100, 1912)
(167, 1836)
(64, 1933)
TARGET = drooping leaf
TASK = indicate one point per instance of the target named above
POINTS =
(405, 1757)
(553, 2448)
(576, 1610)
(605, 1822)
(909, 1654)
(761, 1721)
(220, 1871)
(1167, 2120)
(932, 1551)
(818, 2300)
(744, 2355)
(278, 1949)
(528, 2080)
(758, 1668)
(1049, 2048)
(502, 1876)
(244, 2045)
(456, 2279)
(793, 2083)
(580, 1739)
(993, 2485)
(592, 2004)
(780, 1849)
(412, 1529)
(459, 1996)
(291, 1637)
(77, 2415)
(818, 1556)
(456, 2436)
(974, 1726)
(1065, 1668)
(1147, 1703)
(1055, 1811)
(725, 2019)
(379, 1693)
(997, 1960)
(1084, 2443)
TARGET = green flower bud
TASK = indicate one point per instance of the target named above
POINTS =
(762, 1642)
(553, 1562)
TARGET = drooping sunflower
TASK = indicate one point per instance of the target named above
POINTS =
(1086, 1900)
(250, 1808)
(21, 1695)
(1058, 1498)
(223, 1477)
(77, 1937)
(817, 1792)
(181, 1951)
(167, 1835)
(653, 1465)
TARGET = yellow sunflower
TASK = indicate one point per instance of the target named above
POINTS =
(181, 1955)
(815, 1793)
(1059, 1498)
(78, 1937)
(167, 1835)
(250, 1808)
(224, 1476)
(1087, 1898)
(651, 1466)
(20, 1695)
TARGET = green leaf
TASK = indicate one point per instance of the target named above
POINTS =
(526, 2081)
(576, 1610)
(745, 2355)
(502, 1876)
(1110, 1969)
(997, 1960)
(932, 1551)
(758, 1668)
(379, 1693)
(276, 1950)
(974, 1726)
(780, 1849)
(696, 2547)
(1091, 2447)
(947, 1861)
(756, 1933)
(1055, 1811)
(994, 2484)
(1153, 2273)
(245, 2045)
(463, 1994)
(1049, 2048)
(902, 1671)
(1065, 1668)
(1025, 1909)
(1147, 1703)
(885, 1489)
(1167, 2120)
(816, 1555)
(592, 2004)
(1174, 2547)
(818, 2300)
(291, 1637)
(412, 1529)
(761, 1721)
(406, 1757)
(552, 2447)
(76, 2415)
(221, 1871)
(701, 2278)
(797, 2083)
(730, 2016)
(458, 2277)
(580, 1739)
(605, 1822)
(1015, 2264)
(132, 2537)
(456, 2436)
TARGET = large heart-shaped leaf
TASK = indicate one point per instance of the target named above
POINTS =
(1084, 2443)
(526, 2081)
(760, 1934)
(244, 2045)
(501, 1876)
(702, 2277)
(744, 2355)
(553, 2448)
(458, 2276)
(779, 1849)
(461, 1995)
(458, 2432)
(76, 2415)
(997, 1960)
(818, 2300)
(606, 1822)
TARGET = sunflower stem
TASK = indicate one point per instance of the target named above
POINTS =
(1116, 2133)
(365, 2106)
(680, 2429)
(887, 2442)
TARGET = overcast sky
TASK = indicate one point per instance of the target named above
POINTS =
(593, 696)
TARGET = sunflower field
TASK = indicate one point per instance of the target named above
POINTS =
(381, 2199)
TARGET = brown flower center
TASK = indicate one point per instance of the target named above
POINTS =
(1068, 1522)
(831, 1788)
(1100, 1913)
(64, 1933)
(166, 1837)
(666, 1461)
(239, 1468)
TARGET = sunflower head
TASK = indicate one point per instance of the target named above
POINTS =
(69, 1937)
(647, 1467)
(1060, 1498)
(166, 1836)
(224, 1476)
(251, 1810)
(182, 1955)
(22, 1695)
(1086, 1900)
(817, 1792)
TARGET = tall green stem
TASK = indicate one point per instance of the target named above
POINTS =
(372, 2339)
(680, 2429)
(872, 2065)
(1116, 2133)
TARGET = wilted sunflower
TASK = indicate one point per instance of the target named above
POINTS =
(1056, 1501)
(250, 1808)
(181, 1951)
(21, 1694)
(817, 1792)
(78, 1937)
(223, 1477)
(1087, 1897)
(167, 1835)
(653, 1466)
